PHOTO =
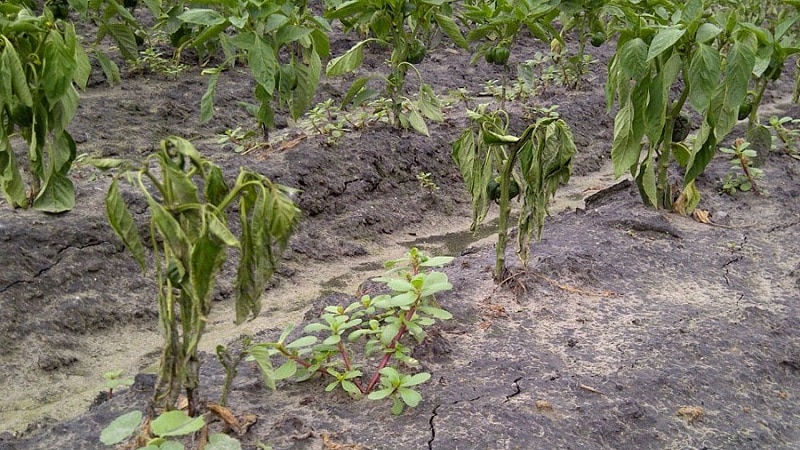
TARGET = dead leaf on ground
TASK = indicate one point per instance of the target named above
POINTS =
(701, 216)
(691, 413)
(238, 425)
(543, 405)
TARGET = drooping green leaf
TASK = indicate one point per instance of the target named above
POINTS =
(110, 68)
(11, 182)
(703, 77)
(207, 101)
(347, 62)
(125, 39)
(263, 64)
(450, 28)
(10, 61)
(57, 194)
(121, 220)
(646, 181)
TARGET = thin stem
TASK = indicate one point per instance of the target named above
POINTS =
(388, 356)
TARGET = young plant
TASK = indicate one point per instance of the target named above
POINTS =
(189, 201)
(41, 63)
(656, 48)
(405, 26)
(114, 379)
(741, 159)
(787, 131)
(378, 325)
(497, 166)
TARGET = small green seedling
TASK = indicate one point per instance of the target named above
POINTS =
(114, 379)
(741, 158)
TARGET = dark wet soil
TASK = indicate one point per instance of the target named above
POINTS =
(629, 328)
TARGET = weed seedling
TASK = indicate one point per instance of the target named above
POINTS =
(741, 158)
(377, 326)
(114, 379)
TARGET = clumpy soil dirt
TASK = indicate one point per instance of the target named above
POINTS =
(629, 327)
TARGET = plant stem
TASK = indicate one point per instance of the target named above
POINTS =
(505, 211)
(388, 356)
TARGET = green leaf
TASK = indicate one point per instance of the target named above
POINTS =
(176, 423)
(347, 62)
(110, 69)
(416, 379)
(219, 230)
(125, 39)
(207, 101)
(704, 76)
(492, 138)
(11, 182)
(437, 313)
(11, 61)
(353, 92)
(435, 282)
(632, 58)
(707, 32)
(57, 195)
(263, 64)
(220, 441)
(437, 261)
(286, 370)
(646, 181)
(380, 394)
(450, 28)
(304, 341)
(121, 220)
(121, 428)
(350, 387)
(662, 41)
(200, 16)
(417, 122)
(206, 260)
(410, 397)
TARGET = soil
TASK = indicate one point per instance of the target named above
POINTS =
(629, 327)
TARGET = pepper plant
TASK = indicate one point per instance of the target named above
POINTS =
(189, 200)
(498, 166)
(41, 64)
(282, 41)
(407, 27)
(776, 43)
(498, 24)
(674, 46)
(377, 325)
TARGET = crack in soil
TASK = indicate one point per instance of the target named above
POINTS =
(47, 268)
(517, 392)
(432, 426)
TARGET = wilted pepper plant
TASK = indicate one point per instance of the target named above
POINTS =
(497, 166)
(189, 235)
